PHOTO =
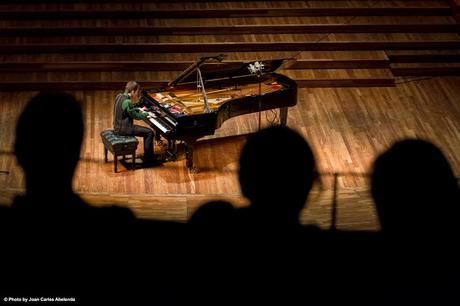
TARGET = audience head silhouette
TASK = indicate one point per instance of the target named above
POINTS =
(215, 214)
(277, 172)
(414, 188)
(49, 135)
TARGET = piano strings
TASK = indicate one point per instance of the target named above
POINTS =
(188, 102)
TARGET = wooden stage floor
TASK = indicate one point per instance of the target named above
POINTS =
(346, 127)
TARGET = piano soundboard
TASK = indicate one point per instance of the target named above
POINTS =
(189, 102)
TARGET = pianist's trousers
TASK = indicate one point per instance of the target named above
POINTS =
(148, 135)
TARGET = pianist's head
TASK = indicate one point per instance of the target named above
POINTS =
(277, 170)
(49, 135)
(133, 89)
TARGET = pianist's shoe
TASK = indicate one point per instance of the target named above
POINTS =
(163, 158)
(161, 143)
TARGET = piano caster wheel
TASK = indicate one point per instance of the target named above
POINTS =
(193, 170)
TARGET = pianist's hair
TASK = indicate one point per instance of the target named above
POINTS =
(131, 85)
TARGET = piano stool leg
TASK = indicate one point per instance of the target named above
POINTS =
(105, 155)
(134, 161)
(172, 149)
(115, 161)
(283, 115)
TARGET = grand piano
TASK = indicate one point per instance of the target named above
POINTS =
(209, 92)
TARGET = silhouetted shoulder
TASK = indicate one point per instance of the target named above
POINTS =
(5, 215)
(117, 213)
(215, 213)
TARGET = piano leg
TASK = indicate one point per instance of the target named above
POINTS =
(283, 115)
(189, 154)
(172, 149)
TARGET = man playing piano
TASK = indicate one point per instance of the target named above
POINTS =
(125, 112)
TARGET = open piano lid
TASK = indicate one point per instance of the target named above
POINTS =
(211, 70)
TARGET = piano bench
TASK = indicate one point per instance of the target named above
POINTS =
(119, 146)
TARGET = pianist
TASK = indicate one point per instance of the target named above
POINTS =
(124, 114)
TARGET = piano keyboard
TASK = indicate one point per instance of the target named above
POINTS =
(171, 121)
(161, 125)
(159, 118)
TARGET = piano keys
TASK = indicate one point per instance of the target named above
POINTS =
(189, 109)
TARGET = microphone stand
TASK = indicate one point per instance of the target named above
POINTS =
(259, 78)
(257, 69)
(334, 204)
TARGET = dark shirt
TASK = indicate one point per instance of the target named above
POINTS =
(134, 112)
(124, 113)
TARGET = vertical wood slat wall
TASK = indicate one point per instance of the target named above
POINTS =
(335, 43)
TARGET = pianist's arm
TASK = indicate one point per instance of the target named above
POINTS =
(132, 111)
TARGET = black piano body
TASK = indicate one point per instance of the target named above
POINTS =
(180, 112)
